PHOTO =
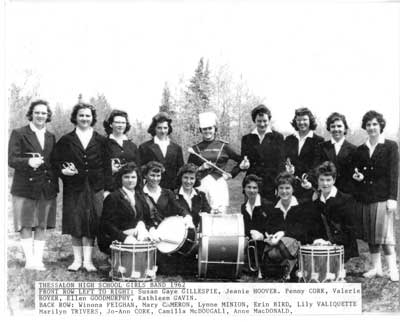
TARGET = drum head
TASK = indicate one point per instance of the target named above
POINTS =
(172, 231)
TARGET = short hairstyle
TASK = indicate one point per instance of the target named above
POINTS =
(154, 166)
(369, 116)
(107, 123)
(252, 178)
(159, 118)
(285, 178)
(32, 107)
(128, 168)
(304, 111)
(189, 168)
(260, 110)
(327, 168)
(81, 106)
(336, 117)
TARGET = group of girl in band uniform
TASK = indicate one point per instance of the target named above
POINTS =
(298, 190)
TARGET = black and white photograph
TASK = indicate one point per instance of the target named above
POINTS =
(206, 159)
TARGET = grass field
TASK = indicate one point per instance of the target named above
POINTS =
(379, 294)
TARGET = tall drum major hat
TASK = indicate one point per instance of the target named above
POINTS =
(207, 119)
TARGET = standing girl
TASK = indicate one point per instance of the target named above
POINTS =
(376, 165)
(35, 183)
(84, 167)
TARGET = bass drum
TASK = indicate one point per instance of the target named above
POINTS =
(221, 246)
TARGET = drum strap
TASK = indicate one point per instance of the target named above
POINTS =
(327, 228)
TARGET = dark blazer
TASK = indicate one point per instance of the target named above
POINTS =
(118, 215)
(126, 153)
(258, 220)
(199, 204)
(27, 182)
(166, 206)
(92, 163)
(303, 162)
(173, 161)
(295, 225)
(380, 172)
(266, 159)
(343, 162)
(339, 214)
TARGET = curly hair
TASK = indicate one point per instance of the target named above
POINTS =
(285, 178)
(336, 117)
(252, 178)
(304, 111)
(189, 168)
(81, 106)
(369, 116)
(129, 168)
(107, 123)
(159, 118)
(327, 168)
(32, 107)
(154, 166)
(260, 110)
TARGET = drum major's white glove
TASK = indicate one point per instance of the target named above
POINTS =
(289, 167)
(226, 176)
(245, 164)
(256, 235)
(305, 183)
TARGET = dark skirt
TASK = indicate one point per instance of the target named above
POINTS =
(34, 213)
(81, 212)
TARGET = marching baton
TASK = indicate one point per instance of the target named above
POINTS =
(191, 151)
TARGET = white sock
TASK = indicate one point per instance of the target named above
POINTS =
(38, 249)
(87, 258)
(393, 270)
(28, 251)
(77, 263)
(376, 266)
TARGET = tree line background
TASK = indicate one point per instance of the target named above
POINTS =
(217, 90)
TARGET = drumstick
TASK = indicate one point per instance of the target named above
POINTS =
(169, 241)
(191, 151)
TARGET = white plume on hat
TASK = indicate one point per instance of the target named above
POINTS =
(207, 119)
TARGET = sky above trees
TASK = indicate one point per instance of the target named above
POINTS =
(330, 57)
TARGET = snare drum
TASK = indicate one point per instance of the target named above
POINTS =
(176, 236)
(133, 262)
(321, 264)
(221, 246)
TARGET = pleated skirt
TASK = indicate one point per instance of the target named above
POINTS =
(376, 223)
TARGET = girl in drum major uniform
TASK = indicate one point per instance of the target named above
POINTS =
(301, 151)
(35, 183)
(287, 226)
(335, 212)
(218, 153)
(120, 149)
(124, 210)
(161, 149)
(188, 197)
(376, 182)
(84, 167)
(339, 151)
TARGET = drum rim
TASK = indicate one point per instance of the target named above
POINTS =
(176, 249)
